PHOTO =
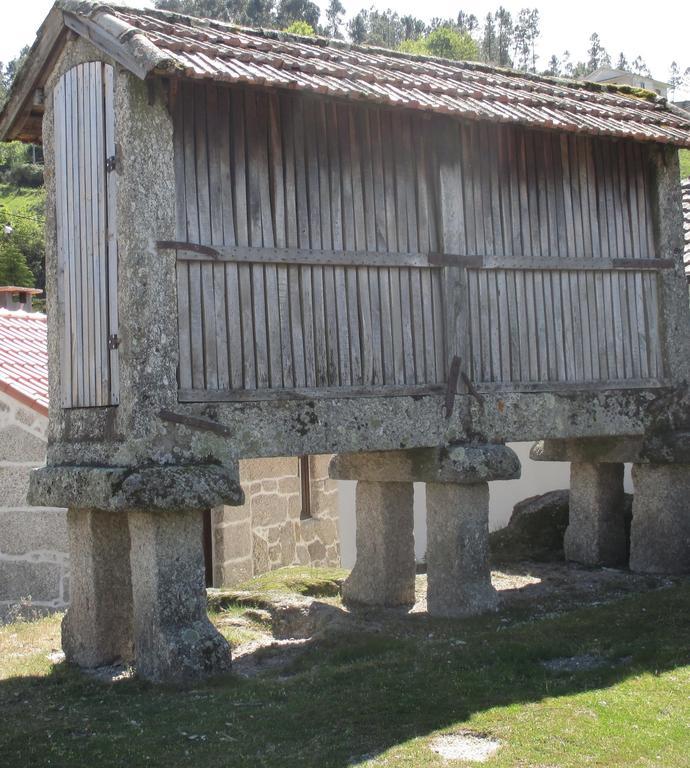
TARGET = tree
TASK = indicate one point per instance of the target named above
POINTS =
(554, 68)
(446, 43)
(622, 62)
(300, 28)
(289, 11)
(525, 37)
(413, 28)
(467, 22)
(357, 28)
(598, 57)
(639, 67)
(489, 41)
(504, 37)
(334, 13)
(675, 78)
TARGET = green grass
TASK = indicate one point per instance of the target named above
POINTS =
(25, 201)
(684, 163)
(375, 698)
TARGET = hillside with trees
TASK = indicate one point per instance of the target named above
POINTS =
(22, 202)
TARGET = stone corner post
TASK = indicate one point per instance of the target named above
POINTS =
(660, 532)
(596, 526)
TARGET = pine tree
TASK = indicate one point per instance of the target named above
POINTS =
(334, 18)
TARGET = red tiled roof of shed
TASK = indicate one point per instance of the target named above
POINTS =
(24, 358)
(148, 41)
(213, 50)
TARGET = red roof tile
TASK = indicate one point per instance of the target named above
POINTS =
(24, 358)
(160, 41)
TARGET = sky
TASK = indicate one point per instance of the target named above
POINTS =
(658, 31)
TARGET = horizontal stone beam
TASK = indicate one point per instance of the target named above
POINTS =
(459, 464)
(170, 488)
(667, 447)
(596, 450)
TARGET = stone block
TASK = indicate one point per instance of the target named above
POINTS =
(173, 637)
(317, 551)
(287, 542)
(33, 528)
(458, 572)
(39, 581)
(260, 555)
(384, 573)
(596, 525)
(232, 542)
(14, 485)
(232, 573)
(268, 509)
(17, 444)
(227, 514)
(260, 469)
(97, 628)
(660, 531)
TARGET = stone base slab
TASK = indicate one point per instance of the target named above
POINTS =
(461, 464)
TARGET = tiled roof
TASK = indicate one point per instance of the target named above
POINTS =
(24, 358)
(685, 186)
(159, 41)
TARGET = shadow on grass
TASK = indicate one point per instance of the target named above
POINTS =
(348, 697)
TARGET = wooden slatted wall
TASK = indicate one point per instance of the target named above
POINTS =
(535, 326)
(279, 171)
(285, 172)
(86, 244)
(540, 194)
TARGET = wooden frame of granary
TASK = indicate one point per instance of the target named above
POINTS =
(266, 245)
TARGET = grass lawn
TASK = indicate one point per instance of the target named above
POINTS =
(684, 163)
(377, 697)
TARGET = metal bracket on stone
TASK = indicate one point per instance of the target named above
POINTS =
(456, 372)
(195, 422)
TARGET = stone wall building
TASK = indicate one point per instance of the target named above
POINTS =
(33, 540)
(335, 249)
(289, 516)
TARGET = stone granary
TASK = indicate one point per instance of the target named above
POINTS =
(335, 249)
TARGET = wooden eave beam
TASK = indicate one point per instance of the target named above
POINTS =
(49, 42)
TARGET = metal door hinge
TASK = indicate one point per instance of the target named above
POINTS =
(113, 341)
(110, 163)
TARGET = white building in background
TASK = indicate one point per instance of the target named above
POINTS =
(608, 75)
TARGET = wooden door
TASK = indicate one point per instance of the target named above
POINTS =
(85, 180)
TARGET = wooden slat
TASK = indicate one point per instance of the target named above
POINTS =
(111, 212)
(62, 214)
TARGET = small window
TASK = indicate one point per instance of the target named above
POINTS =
(305, 487)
